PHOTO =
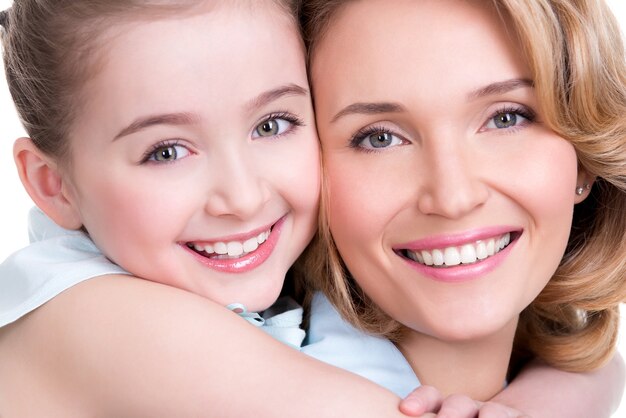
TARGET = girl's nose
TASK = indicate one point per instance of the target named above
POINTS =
(238, 187)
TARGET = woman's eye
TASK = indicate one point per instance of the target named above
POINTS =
(271, 127)
(508, 119)
(168, 153)
(378, 140)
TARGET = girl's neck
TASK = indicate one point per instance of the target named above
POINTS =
(475, 368)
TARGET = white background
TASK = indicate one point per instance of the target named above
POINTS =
(15, 203)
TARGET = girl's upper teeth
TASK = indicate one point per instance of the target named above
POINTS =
(464, 254)
(232, 248)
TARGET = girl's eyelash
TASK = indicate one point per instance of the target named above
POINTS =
(161, 144)
(289, 117)
(363, 133)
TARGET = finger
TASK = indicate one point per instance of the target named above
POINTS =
(421, 400)
(458, 406)
(496, 410)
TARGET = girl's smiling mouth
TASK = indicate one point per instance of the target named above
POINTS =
(230, 249)
(240, 253)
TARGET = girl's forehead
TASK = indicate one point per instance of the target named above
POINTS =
(215, 60)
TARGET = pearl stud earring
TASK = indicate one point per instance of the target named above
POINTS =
(581, 189)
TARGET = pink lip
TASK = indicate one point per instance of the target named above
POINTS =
(240, 237)
(247, 262)
(442, 241)
(461, 272)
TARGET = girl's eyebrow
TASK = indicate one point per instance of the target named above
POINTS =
(499, 87)
(274, 94)
(366, 108)
(186, 118)
(181, 118)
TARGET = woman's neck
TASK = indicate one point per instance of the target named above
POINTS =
(475, 368)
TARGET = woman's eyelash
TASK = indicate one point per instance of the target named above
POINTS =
(524, 111)
(363, 133)
(357, 139)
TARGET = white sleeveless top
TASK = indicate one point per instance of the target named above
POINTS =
(56, 260)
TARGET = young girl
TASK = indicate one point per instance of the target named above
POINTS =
(476, 166)
(129, 132)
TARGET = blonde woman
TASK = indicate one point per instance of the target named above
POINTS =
(475, 163)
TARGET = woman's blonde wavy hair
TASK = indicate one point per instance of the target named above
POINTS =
(576, 55)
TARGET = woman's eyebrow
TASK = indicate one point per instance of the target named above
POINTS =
(365, 108)
(499, 87)
(180, 118)
(275, 94)
(371, 108)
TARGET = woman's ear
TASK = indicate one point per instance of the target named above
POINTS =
(44, 183)
(584, 181)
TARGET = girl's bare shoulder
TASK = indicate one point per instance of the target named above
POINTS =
(100, 336)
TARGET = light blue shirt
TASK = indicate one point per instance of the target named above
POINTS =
(334, 341)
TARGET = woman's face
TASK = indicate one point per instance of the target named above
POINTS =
(450, 200)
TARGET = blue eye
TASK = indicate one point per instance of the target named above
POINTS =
(375, 138)
(165, 152)
(510, 118)
(504, 120)
(275, 125)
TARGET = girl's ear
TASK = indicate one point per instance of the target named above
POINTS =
(584, 181)
(45, 185)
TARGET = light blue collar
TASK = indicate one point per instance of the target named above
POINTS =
(282, 320)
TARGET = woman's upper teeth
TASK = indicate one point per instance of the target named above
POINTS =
(464, 254)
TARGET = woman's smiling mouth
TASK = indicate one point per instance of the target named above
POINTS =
(464, 254)
(460, 257)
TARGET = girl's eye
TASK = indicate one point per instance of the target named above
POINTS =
(269, 128)
(275, 125)
(510, 118)
(167, 153)
(375, 139)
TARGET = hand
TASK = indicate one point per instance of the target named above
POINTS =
(426, 401)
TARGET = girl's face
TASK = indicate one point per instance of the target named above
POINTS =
(450, 200)
(195, 160)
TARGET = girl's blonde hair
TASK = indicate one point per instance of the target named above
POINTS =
(576, 55)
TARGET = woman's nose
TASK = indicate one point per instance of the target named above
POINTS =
(452, 183)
